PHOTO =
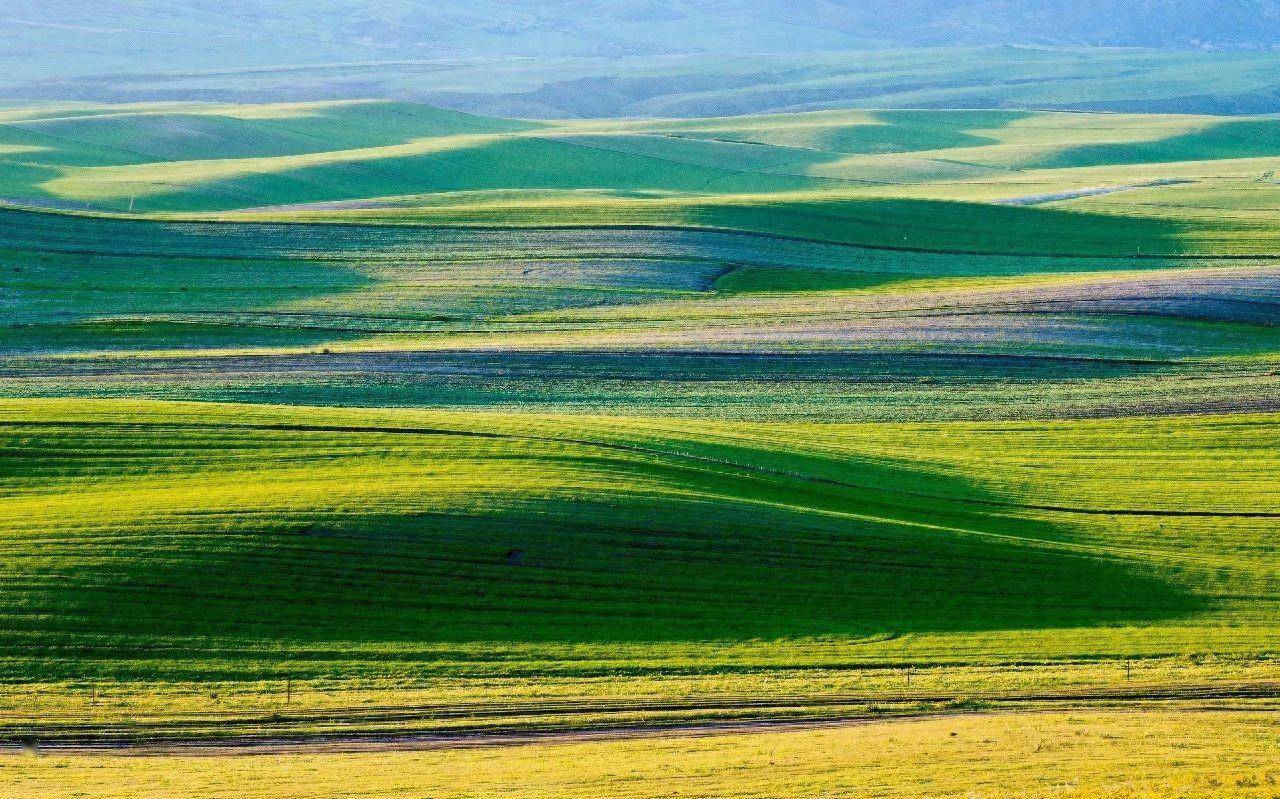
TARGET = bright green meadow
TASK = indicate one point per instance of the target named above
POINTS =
(351, 417)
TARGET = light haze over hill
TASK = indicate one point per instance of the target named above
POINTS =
(588, 58)
(124, 32)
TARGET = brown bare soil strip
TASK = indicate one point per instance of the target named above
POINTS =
(423, 727)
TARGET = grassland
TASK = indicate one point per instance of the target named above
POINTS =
(335, 484)
(762, 78)
(1084, 755)
(355, 420)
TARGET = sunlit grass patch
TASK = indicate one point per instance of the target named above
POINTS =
(1085, 754)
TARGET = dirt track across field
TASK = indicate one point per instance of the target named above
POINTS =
(1095, 191)
(392, 729)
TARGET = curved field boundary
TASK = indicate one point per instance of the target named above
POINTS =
(669, 454)
(179, 221)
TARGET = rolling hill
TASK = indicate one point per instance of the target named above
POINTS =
(706, 84)
(662, 398)
(557, 28)
(581, 58)
(342, 423)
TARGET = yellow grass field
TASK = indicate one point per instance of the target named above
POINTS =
(1065, 755)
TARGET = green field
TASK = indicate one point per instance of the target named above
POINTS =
(368, 418)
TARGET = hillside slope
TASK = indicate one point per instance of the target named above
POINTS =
(690, 57)
(372, 418)
(637, 27)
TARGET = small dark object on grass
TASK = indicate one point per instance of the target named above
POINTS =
(515, 557)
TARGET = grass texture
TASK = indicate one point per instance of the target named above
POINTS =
(156, 539)
(1084, 755)
(449, 422)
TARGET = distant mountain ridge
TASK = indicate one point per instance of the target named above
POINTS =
(195, 34)
(558, 58)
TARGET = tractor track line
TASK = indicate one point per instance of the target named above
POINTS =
(650, 452)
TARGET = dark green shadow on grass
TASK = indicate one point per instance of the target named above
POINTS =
(1228, 139)
(763, 546)
(952, 227)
